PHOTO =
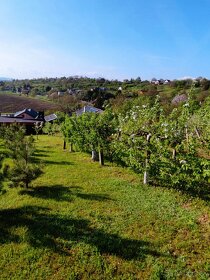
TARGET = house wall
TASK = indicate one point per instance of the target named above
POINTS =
(25, 116)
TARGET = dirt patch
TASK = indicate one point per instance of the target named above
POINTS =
(186, 205)
(10, 103)
(204, 220)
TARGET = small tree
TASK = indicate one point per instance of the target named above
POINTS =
(38, 127)
(13, 136)
(21, 149)
(68, 129)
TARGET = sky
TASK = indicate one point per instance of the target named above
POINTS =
(114, 39)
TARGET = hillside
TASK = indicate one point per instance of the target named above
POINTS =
(12, 103)
(5, 79)
(81, 221)
(101, 92)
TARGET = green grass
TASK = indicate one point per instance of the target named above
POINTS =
(81, 221)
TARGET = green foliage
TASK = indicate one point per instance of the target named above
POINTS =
(205, 84)
(21, 150)
(13, 136)
(1, 174)
(90, 131)
(166, 147)
(134, 127)
(22, 173)
(51, 128)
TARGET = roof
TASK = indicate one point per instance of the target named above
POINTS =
(179, 98)
(16, 120)
(88, 109)
(51, 117)
(30, 112)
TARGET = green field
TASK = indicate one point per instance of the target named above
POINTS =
(83, 221)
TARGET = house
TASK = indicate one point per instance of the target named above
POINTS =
(88, 109)
(30, 114)
(27, 117)
(166, 82)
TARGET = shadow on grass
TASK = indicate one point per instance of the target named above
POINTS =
(62, 193)
(92, 196)
(58, 193)
(60, 233)
(201, 191)
(41, 153)
(52, 162)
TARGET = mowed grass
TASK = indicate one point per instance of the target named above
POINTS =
(83, 221)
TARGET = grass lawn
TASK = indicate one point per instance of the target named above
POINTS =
(83, 221)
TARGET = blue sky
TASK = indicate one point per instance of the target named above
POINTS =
(115, 39)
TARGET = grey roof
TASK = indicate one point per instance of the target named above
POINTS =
(88, 109)
(179, 98)
(16, 120)
(51, 117)
(30, 112)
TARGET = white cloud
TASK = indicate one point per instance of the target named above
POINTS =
(186, 78)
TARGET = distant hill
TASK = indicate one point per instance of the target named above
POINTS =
(5, 79)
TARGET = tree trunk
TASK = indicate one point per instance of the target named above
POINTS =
(71, 148)
(26, 184)
(64, 144)
(94, 156)
(101, 157)
(146, 173)
(197, 133)
(174, 154)
(187, 137)
(146, 177)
